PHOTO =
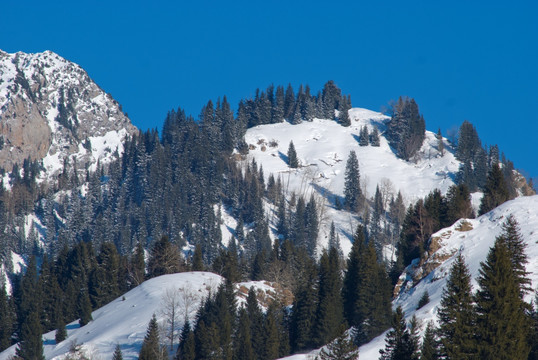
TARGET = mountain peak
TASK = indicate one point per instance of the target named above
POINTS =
(50, 110)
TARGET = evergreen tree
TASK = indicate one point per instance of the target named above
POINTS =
(6, 320)
(406, 128)
(495, 190)
(30, 339)
(363, 136)
(304, 313)
(293, 162)
(399, 344)
(117, 353)
(429, 348)
(197, 262)
(374, 137)
(424, 300)
(84, 308)
(342, 348)
(352, 190)
(61, 332)
(164, 258)
(271, 330)
(151, 347)
(458, 203)
(456, 314)
(329, 314)
(343, 116)
(502, 326)
(440, 143)
(186, 349)
(243, 343)
(255, 316)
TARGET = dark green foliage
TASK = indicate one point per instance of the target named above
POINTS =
(187, 347)
(424, 300)
(304, 313)
(151, 347)
(456, 314)
(364, 139)
(342, 348)
(495, 190)
(30, 338)
(6, 320)
(272, 330)
(164, 258)
(352, 189)
(117, 353)
(329, 314)
(533, 355)
(366, 290)
(343, 116)
(103, 285)
(502, 326)
(469, 143)
(293, 162)
(429, 349)
(399, 342)
(474, 159)
(138, 265)
(84, 308)
(244, 349)
(458, 203)
(197, 262)
(374, 137)
(255, 316)
(61, 332)
(406, 129)
(331, 98)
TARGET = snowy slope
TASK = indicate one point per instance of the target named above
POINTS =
(323, 147)
(473, 241)
(124, 321)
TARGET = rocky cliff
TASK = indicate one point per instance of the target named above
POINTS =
(51, 110)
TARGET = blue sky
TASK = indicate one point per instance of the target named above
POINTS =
(460, 60)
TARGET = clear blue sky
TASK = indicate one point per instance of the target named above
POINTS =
(460, 60)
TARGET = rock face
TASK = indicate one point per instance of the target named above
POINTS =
(51, 110)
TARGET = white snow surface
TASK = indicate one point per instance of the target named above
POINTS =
(323, 147)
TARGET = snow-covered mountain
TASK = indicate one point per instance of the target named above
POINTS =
(323, 147)
(51, 110)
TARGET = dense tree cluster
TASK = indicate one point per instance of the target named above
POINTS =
(406, 129)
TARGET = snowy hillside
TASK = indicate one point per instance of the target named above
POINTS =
(323, 147)
(50, 109)
(124, 321)
(472, 238)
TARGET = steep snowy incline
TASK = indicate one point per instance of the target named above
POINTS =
(323, 147)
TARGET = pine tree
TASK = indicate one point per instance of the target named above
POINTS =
(502, 326)
(197, 262)
(6, 319)
(374, 137)
(363, 136)
(440, 143)
(352, 189)
(186, 349)
(425, 299)
(293, 162)
(406, 129)
(495, 190)
(31, 342)
(243, 343)
(151, 347)
(256, 322)
(304, 313)
(271, 339)
(456, 314)
(84, 308)
(342, 348)
(429, 348)
(399, 344)
(329, 314)
(117, 353)
(343, 116)
(61, 331)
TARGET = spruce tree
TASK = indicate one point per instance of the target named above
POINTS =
(84, 308)
(329, 314)
(61, 331)
(456, 314)
(243, 339)
(352, 189)
(495, 190)
(429, 350)
(399, 344)
(374, 137)
(342, 348)
(502, 326)
(30, 339)
(151, 347)
(440, 143)
(117, 353)
(6, 320)
(363, 136)
(293, 162)
(271, 339)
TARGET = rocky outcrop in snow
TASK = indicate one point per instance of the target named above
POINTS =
(50, 109)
